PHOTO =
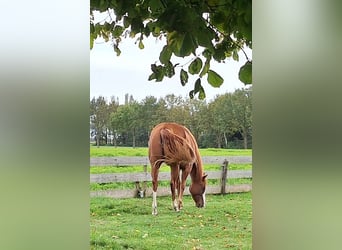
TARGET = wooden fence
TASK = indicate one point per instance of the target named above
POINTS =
(140, 179)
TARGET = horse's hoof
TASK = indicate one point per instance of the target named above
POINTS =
(154, 212)
(176, 209)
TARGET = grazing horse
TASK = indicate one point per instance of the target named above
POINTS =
(174, 145)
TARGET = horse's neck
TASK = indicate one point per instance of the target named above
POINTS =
(196, 172)
(197, 169)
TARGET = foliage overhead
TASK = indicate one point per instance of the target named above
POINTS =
(203, 30)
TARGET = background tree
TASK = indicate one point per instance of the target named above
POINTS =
(222, 122)
(195, 121)
(242, 107)
(149, 108)
(175, 109)
(203, 30)
(127, 120)
(161, 112)
(226, 121)
(99, 117)
(112, 108)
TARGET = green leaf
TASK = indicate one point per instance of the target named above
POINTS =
(198, 85)
(147, 31)
(160, 76)
(207, 54)
(235, 55)
(165, 54)
(117, 50)
(245, 73)
(136, 25)
(218, 17)
(195, 66)
(126, 21)
(152, 76)
(219, 53)
(117, 31)
(155, 31)
(204, 37)
(205, 68)
(158, 72)
(197, 89)
(92, 28)
(184, 77)
(169, 69)
(105, 36)
(201, 94)
(91, 42)
(154, 68)
(141, 45)
(156, 5)
(214, 79)
(191, 94)
(92, 39)
(187, 45)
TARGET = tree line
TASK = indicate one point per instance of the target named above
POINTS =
(225, 122)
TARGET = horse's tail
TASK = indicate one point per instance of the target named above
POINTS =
(176, 149)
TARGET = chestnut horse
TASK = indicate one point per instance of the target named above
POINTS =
(174, 145)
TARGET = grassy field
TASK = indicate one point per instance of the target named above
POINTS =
(225, 223)
(110, 151)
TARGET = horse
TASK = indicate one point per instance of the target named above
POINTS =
(174, 145)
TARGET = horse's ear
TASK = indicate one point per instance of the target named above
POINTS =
(204, 176)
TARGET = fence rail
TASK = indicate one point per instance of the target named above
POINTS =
(141, 178)
(142, 160)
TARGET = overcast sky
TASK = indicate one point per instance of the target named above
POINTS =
(112, 75)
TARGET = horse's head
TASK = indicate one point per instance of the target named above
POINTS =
(197, 190)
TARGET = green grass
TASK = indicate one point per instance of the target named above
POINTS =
(224, 152)
(110, 151)
(225, 223)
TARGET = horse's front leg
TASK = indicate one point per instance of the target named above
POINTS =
(182, 184)
(174, 185)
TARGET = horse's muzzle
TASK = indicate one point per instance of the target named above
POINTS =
(200, 204)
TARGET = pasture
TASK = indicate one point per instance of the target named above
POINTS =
(225, 223)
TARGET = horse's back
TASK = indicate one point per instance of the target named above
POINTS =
(176, 128)
(155, 149)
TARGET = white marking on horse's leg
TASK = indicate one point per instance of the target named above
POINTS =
(204, 199)
(175, 205)
(154, 203)
(180, 190)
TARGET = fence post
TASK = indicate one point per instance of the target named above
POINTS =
(141, 189)
(224, 176)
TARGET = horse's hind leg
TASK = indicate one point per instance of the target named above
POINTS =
(174, 184)
(154, 174)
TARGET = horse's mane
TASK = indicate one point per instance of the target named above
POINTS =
(177, 150)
